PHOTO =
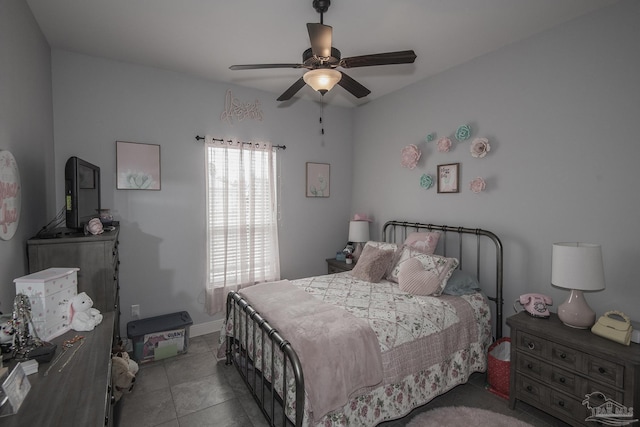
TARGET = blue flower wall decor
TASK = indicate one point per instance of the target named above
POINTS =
(463, 133)
(426, 181)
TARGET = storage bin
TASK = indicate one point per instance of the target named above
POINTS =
(49, 293)
(499, 367)
(159, 337)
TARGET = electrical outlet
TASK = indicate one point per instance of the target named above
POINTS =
(135, 311)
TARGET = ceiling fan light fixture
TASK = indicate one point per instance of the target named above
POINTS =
(322, 79)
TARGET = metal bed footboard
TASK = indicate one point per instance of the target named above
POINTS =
(238, 346)
(253, 376)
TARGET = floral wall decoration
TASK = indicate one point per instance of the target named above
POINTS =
(426, 181)
(480, 147)
(410, 156)
(447, 177)
(463, 133)
(477, 185)
(444, 144)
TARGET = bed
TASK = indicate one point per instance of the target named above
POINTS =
(304, 347)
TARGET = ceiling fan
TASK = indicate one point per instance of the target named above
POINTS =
(322, 59)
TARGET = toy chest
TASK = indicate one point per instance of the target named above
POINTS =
(49, 293)
(159, 337)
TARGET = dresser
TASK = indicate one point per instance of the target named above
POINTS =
(335, 266)
(81, 394)
(97, 259)
(555, 368)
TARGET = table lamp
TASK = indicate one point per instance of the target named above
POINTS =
(577, 266)
(358, 234)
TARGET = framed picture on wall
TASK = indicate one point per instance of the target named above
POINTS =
(137, 166)
(318, 179)
(448, 178)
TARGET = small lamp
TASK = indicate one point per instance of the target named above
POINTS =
(579, 267)
(358, 234)
(322, 79)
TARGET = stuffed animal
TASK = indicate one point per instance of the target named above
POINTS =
(121, 377)
(119, 351)
(7, 331)
(83, 316)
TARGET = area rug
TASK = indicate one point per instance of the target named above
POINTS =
(464, 416)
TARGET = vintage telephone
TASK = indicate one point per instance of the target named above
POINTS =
(534, 304)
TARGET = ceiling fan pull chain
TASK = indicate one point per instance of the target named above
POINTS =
(321, 114)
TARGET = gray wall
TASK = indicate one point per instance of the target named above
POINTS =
(98, 102)
(561, 113)
(559, 109)
(26, 130)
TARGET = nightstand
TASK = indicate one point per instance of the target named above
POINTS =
(335, 266)
(554, 367)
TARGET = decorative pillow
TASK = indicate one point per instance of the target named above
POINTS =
(461, 283)
(414, 279)
(372, 264)
(402, 254)
(440, 269)
(423, 241)
(382, 245)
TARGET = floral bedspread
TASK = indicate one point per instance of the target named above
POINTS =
(395, 316)
(428, 344)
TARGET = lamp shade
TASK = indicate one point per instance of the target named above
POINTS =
(577, 266)
(358, 231)
(322, 79)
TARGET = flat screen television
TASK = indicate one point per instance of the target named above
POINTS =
(82, 192)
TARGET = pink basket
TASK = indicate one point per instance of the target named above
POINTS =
(499, 371)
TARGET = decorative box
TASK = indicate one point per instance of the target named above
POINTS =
(49, 293)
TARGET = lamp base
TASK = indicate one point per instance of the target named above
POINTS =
(357, 252)
(575, 312)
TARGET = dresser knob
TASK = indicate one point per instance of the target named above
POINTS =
(561, 404)
(563, 356)
(529, 388)
(531, 345)
(562, 380)
(602, 370)
(530, 366)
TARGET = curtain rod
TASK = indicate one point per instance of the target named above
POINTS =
(200, 138)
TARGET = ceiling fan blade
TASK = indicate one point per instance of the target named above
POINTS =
(353, 87)
(293, 89)
(320, 37)
(400, 57)
(259, 66)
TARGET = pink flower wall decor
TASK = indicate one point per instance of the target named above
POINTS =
(410, 156)
(477, 185)
(444, 144)
(480, 147)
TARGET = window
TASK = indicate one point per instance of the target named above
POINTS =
(242, 232)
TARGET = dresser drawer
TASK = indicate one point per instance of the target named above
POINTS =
(567, 405)
(605, 371)
(589, 387)
(531, 391)
(531, 344)
(334, 270)
(531, 366)
(565, 380)
(566, 357)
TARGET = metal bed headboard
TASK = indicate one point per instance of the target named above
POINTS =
(396, 231)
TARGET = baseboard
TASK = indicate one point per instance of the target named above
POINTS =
(206, 328)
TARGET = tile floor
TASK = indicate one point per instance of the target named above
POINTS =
(192, 390)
